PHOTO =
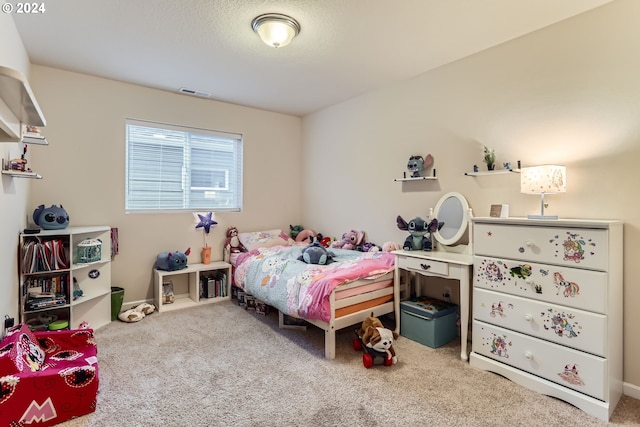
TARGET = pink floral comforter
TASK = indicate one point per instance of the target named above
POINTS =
(275, 276)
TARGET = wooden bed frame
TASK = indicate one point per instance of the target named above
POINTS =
(336, 323)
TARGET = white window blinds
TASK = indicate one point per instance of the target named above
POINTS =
(175, 168)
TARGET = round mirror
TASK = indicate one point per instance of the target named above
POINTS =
(452, 211)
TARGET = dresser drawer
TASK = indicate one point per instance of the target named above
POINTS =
(572, 287)
(578, 329)
(570, 368)
(577, 247)
(421, 265)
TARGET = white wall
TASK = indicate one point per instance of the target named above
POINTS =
(13, 192)
(83, 167)
(567, 94)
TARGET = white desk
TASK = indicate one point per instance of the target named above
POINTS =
(447, 265)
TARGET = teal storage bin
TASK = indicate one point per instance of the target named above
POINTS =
(429, 321)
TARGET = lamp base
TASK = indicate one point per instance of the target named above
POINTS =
(550, 217)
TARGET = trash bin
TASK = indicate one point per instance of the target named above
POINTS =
(117, 296)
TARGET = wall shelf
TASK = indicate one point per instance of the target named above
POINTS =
(18, 174)
(18, 105)
(417, 178)
(494, 172)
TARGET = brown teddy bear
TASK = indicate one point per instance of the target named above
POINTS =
(375, 336)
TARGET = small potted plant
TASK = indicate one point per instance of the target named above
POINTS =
(206, 222)
(489, 158)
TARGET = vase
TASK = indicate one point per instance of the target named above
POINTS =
(491, 166)
(206, 254)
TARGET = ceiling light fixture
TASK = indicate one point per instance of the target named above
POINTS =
(274, 29)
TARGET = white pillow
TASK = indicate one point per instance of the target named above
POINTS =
(265, 239)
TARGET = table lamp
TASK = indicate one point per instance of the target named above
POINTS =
(545, 179)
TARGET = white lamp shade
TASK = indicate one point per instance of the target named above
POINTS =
(545, 179)
(276, 30)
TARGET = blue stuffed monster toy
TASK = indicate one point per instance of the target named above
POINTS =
(315, 253)
(51, 218)
(170, 261)
(418, 229)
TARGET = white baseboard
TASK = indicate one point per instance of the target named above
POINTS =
(631, 390)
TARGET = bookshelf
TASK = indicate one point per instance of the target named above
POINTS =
(54, 285)
(187, 285)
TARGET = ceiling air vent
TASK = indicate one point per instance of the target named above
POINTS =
(193, 92)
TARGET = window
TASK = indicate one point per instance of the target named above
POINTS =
(174, 168)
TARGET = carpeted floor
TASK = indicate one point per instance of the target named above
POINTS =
(218, 365)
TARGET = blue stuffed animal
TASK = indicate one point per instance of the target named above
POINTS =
(418, 229)
(315, 253)
(51, 218)
(171, 261)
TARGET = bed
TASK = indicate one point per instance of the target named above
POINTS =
(331, 297)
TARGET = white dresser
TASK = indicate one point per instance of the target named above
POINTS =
(547, 307)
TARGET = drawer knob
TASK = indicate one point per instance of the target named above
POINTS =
(529, 244)
(425, 266)
(528, 317)
(528, 355)
(528, 281)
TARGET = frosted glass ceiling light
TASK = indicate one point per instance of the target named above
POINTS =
(546, 179)
(274, 29)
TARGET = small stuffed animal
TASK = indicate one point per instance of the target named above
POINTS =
(171, 261)
(295, 230)
(390, 247)
(51, 218)
(416, 164)
(233, 242)
(418, 229)
(374, 335)
(305, 236)
(315, 253)
(350, 240)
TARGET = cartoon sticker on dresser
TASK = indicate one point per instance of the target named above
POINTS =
(497, 344)
(574, 246)
(493, 273)
(561, 323)
(569, 289)
(571, 375)
(496, 273)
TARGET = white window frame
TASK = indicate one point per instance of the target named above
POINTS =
(155, 151)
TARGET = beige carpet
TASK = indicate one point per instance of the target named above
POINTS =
(218, 365)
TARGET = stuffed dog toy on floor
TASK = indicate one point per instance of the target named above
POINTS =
(374, 335)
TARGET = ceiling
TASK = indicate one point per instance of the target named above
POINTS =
(345, 47)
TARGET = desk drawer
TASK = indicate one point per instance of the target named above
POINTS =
(425, 266)
(578, 329)
(570, 368)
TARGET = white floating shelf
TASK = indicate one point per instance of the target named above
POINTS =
(18, 105)
(18, 174)
(498, 172)
(419, 178)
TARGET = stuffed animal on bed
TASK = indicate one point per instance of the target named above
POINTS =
(171, 261)
(232, 244)
(418, 229)
(375, 336)
(315, 253)
(350, 240)
(306, 236)
(295, 230)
